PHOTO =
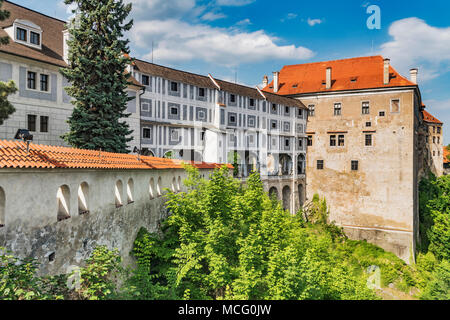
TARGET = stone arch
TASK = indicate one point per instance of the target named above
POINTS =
(301, 195)
(63, 202)
(83, 198)
(274, 191)
(2, 207)
(130, 191)
(287, 195)
(118, 193)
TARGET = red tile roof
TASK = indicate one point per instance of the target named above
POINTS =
(13, 154)
(367, 73)
(429, 118)
(446, 154)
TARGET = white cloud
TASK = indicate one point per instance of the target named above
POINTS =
(289, 16)
(313, 22)
(162, 9)
(181, 41)
(212, 16)
(234, 3)
(244, 22)
(417, 44)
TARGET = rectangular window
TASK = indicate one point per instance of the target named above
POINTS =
(21, 34)
(146, 133)
(354, 165)
(274, 108)
(365, 108)
(286, 110)
(395, 105)
(31, 80)
(319, 164)
(381, 114)
(201, 92)
(300, 143)
(44, 82)
(368, 124)
(337, 109)
(145, 80)
(309, 142)
(332, 140)
(232, 98)
(202, 135)
(438, 130)
(300, 113)
(174, 134)
(368, 140)
(31, 118)
(274, 124)
(145, 106)
(252, 102)
(35, 38)
(174, 86)
(174, 111)
(44, 123)
(434, 139)
(341, 140)
(286, 142)
(434, 129)
(311, 110)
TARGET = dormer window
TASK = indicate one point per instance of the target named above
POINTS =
(21, 34)
(35, 38)
(26, 33)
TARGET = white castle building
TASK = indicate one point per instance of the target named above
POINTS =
(174, 114)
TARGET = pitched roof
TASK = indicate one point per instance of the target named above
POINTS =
(427, 117)
(446, 154)
(366, 73)
(52, 35)
(13, 154)
(206, 82)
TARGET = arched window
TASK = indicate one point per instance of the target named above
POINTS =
(287, 198)
(273, 192)
(179, 183)
(158, 187)
(151, 188)
(63, 200)
(118, 193)
(130, 191)
(174, 182)
(2, 207)
(83, 198)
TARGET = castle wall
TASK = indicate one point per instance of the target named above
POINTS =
(30, 210)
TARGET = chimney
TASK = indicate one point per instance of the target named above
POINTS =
(265, 81)
(386, 71)
(276, 76)
(328, 78)
(413, 75)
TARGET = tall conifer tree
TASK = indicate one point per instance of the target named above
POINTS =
(6, 108)
(98, 58)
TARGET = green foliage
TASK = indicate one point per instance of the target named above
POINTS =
(228, 241)
(98, 277)
(438, 288)
(96, 72)
(435, 216)
(3, 16)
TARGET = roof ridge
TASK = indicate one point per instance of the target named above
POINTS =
(332, 61)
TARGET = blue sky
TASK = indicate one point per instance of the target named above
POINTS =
(251, 38)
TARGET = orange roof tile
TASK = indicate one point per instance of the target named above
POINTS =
(429, 118)
(13, 154)
(446, 154)
(348, 74)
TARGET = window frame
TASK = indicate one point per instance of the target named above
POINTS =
(335, 109)
(363, 107)
(149, 130)
(320, 164)
(354, 165)
(34, 122)
(339, 140)
(144, 76)
(34, 80)
(177, 89)
(399, 105)
(25, 33)
(333, 140)
(366, 135)
(47, 82)
(311, 110)
(38, 38)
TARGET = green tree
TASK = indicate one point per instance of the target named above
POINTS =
(98, 58)
(6, 108)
